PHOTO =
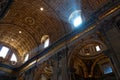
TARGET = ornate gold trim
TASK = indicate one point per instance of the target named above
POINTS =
(62, 45)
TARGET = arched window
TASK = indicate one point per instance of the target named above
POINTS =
(8, 53)
(3, 52)
(75, 18)
(97, 48)
(45, 40)
(26, 57)
(46, 44)
(13, 58)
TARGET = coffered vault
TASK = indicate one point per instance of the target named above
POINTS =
(33, 27)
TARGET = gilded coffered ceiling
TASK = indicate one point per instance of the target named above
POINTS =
(26, 21)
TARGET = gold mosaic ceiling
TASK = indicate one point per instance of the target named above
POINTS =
(24, 23)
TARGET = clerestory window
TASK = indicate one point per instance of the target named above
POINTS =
(3, 52)
(13, 58)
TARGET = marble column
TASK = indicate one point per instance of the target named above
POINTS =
(64, 69)
(55, 67)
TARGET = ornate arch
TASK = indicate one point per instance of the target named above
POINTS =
(74, 55)
(73, 58)
(75, 50)
(83, 65)
(93, 65)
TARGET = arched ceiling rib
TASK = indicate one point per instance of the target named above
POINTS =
(10, 34)
(35, 24)
(26, 16)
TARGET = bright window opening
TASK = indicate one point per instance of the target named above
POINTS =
(4, 51)
(107, 70)
(97, 48)
(45, 40)
(26, 57)
(13, 58)
(46, 44)
(75, 18)
(77, 21)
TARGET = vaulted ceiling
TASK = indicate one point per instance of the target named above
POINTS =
(24, 23)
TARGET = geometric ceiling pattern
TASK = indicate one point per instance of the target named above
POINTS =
(26, 21)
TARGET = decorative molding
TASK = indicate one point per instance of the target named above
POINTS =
(30, 20)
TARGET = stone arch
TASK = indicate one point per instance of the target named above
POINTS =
(93, 65)
(76, 49)
(85, 70)
(75, 52)
(71, 58)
